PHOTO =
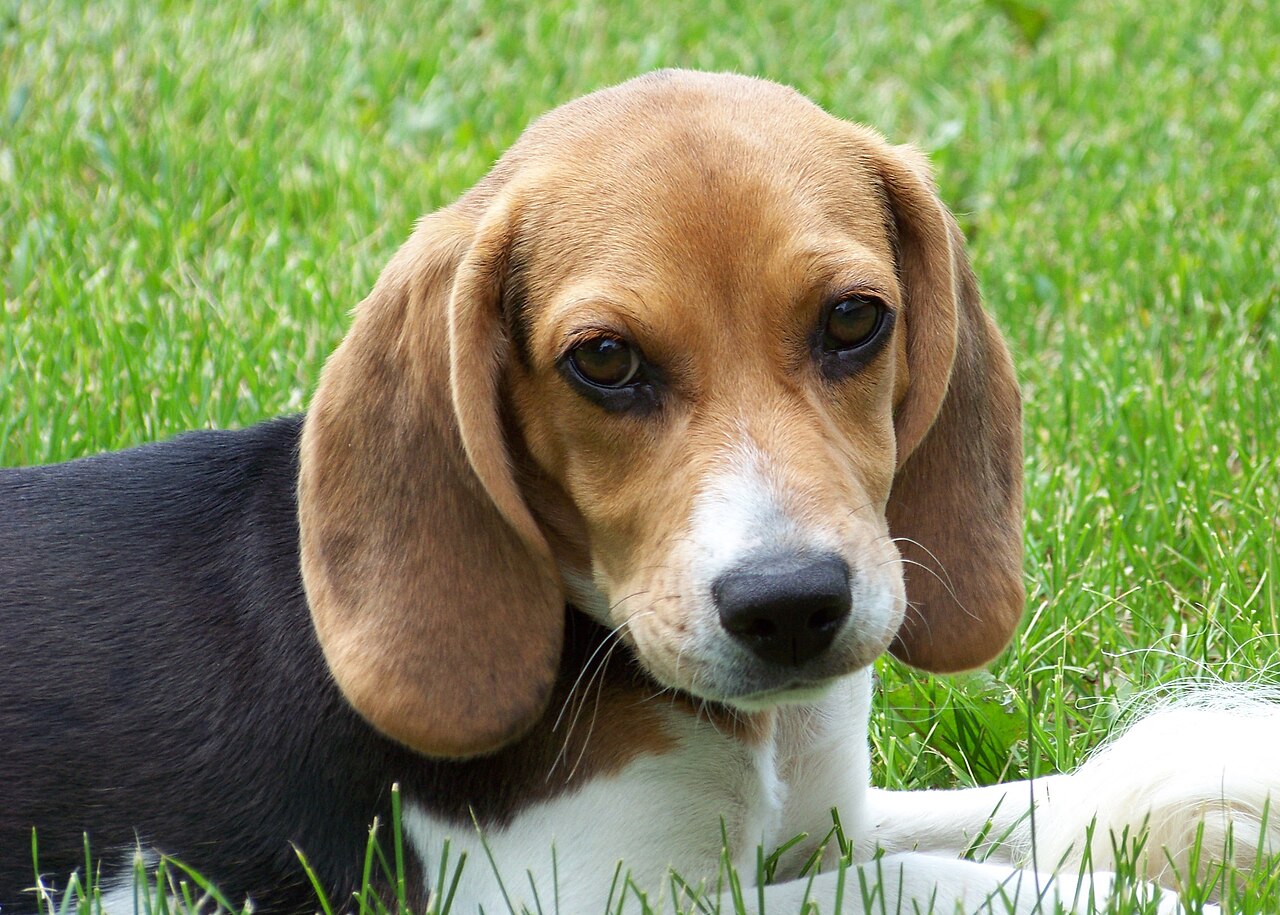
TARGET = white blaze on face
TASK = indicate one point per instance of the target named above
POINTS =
(743, 516)
(740, 516)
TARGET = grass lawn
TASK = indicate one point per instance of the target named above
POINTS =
(194, 195)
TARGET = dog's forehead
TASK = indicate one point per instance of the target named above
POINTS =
(714, 180)
(635, 109)
(690, 139)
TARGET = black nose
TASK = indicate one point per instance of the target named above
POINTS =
(786, 609)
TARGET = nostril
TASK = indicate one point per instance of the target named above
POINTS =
(756, 628)
(785, 609)
(827, 617)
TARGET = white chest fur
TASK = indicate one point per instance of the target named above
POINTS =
(669, 812)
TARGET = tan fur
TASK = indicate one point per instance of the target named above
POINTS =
(957, 498)
(447, 482)
(440, 624)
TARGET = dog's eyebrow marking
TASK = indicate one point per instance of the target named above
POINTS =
(841, 270)
(591, 312)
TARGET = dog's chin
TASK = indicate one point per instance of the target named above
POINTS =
(792, 694)
(771, 694)
(747, 685)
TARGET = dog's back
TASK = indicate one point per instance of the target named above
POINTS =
(160, 673)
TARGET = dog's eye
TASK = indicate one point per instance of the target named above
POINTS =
(605, 361)
(613, 374)
(853, 329)
(852, 322)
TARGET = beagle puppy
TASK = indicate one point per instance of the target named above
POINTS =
(632, 463)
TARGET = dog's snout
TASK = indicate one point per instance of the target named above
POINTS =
(787, 610)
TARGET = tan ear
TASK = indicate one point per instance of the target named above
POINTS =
(433, 595)
(956, 503)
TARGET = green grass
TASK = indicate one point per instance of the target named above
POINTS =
(193, 196)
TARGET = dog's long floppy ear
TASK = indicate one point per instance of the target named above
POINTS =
(956, 502)
(433, 593)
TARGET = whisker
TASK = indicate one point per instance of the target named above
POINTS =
(909, 621)
(920, 546)
(612, 639)
(586, 665)
(863, 507)
(946, 584)
(594, 714)
(587, 671)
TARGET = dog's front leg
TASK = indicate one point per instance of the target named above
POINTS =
(991, 824)
(919, 883)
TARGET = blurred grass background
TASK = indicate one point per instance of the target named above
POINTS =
(194, 195)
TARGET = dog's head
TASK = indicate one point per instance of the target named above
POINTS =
(697, 358)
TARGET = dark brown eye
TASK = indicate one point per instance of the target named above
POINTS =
(605, 361)
(852, 322)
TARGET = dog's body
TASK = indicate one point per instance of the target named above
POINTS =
(232, 746)
(600, 515)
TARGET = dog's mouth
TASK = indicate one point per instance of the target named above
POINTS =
(740, 687)
(796, 692)
(774, 650)
(752, 686)
(715, 668)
